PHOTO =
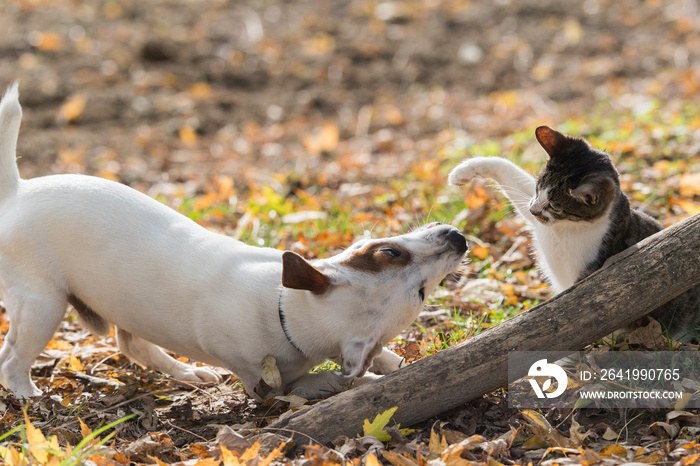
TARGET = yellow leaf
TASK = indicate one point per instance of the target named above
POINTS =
(330, 135)
(251, 452)
(108, 175)
(47, 41)
(376, 427)
(320, 44)
(544, 430)
(323, 140)
(434, 445)
(372, 461)
(394, 116)
(690, 207)
(200, 90)
(273, 454)
(36, 440)
(398, 460)
(85, 431)
(74, 364)
(228, 457)
(12, 457)
(479, 252)
(188, 136)
(617, 450)
(73, 107)
(690, 184)
(476, 196)
(573, 32)
(205, 201)
(533, 443)
(157, 461)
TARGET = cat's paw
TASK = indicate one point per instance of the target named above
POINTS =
(468, 170)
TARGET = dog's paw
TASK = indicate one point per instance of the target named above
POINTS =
(466, 171)
(197, 374)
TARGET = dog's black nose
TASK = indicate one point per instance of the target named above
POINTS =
(457, 239)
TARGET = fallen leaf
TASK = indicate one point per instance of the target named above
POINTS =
(228, 458)
(614, 450)
(73, 107)
(377, 426)
(690, 184)
(544, 430)
(36, 440)
(188, 136)
(398, 460)
(232, 440)
(610, 434)
(270, 374)
(577, 434)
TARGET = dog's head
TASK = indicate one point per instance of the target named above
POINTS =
(363, 297)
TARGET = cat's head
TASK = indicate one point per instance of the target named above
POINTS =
(577, 183)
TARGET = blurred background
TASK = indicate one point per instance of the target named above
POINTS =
(177, 92)
(306, 124)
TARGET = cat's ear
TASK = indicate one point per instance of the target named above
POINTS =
(592, 190)
(550, 139)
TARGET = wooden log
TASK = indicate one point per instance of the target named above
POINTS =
(629, 286)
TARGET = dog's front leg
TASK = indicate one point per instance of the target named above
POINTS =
(152, 356)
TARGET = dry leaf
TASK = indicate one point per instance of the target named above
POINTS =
(270, 374)
(73, 107)
(610, 434)
(690, 184)
(36, 440)
(188, 136)
(576, 433)
(614, 450)
(543, 429)
(228, 458)
(398, 460)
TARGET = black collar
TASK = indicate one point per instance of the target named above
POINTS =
(283, 322)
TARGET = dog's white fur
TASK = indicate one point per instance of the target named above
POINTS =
(563, 248)
(123, 258)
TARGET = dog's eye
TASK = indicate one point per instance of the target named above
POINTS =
(421, 293)
(392, 252)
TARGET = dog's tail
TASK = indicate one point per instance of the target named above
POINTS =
(10, 117)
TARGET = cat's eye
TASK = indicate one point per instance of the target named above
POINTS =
(555, 208)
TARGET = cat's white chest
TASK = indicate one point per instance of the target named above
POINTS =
(565, 249)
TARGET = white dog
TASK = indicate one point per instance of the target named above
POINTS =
(122, 258)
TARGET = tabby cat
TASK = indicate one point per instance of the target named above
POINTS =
(579, 217)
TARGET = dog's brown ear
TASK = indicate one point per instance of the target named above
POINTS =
(300, 275)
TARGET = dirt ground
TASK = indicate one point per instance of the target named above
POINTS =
(164, 95)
